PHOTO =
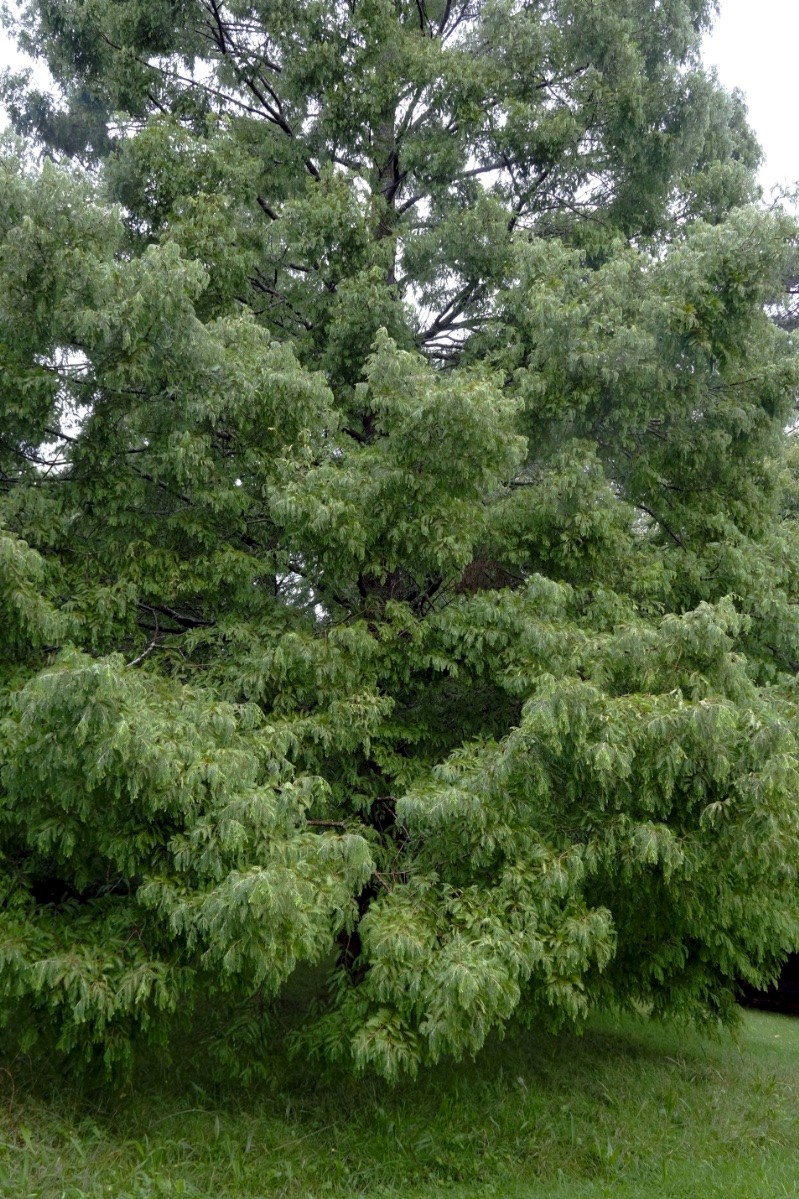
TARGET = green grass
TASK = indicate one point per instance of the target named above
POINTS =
(629, 1110)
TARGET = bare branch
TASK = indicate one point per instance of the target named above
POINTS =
(150, 647)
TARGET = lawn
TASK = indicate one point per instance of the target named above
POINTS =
(631, 1110)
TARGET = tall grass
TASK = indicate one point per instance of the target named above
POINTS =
(629, 1110)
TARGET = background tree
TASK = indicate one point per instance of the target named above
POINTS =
(399, 567)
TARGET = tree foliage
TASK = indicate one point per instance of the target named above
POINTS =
(398, 549)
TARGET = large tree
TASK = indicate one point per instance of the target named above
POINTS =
(399, 561)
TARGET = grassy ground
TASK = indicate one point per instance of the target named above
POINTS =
(630, 1110)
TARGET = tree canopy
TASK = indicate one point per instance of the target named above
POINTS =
(398, 548)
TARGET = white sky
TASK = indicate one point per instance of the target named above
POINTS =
(754, 47)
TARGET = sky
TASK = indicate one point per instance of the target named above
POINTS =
(754, 47)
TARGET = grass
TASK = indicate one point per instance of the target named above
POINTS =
(631, 1110)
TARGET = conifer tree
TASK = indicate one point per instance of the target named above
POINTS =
(398, 554)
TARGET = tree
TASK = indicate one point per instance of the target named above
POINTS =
(399, 566)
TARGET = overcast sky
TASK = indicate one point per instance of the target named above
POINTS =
(755, 47)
